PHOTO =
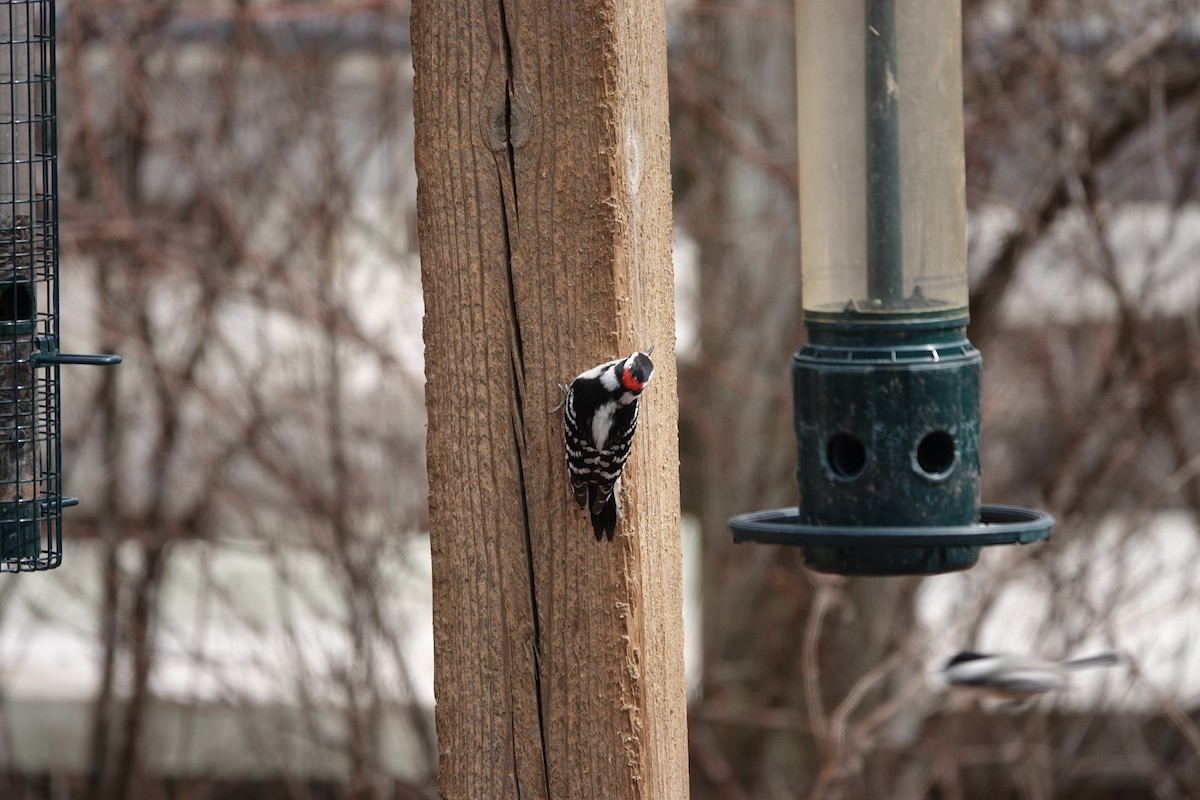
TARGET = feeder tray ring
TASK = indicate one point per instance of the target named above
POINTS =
(898, 550)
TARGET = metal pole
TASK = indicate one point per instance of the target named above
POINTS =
(885, 278)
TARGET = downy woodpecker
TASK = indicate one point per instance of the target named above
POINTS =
(599, 421)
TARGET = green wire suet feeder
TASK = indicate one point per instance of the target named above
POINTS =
(31, 499)
(886, 389)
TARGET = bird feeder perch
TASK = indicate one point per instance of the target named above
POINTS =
(31, 499)
(886, 389)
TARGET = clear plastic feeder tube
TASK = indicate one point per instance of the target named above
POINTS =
(882, 207)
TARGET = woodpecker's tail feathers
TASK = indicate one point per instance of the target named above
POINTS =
(1108, 659)
(604, 510)
(581, 493)
(598, 497)
(605, 523)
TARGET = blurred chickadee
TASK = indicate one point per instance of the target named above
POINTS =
(1015, 677)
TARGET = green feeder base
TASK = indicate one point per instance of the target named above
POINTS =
(901, 550)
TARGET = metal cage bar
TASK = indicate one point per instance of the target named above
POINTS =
(31, 498)
(30, 414)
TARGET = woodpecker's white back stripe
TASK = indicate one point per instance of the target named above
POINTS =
(602, 424)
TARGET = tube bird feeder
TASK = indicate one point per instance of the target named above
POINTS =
(887, 387)
(31, 499)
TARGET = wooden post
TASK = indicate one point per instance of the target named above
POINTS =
(544, 217)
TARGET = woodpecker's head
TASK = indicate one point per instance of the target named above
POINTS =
(635, 372)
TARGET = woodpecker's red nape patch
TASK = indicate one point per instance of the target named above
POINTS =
(629, 381)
